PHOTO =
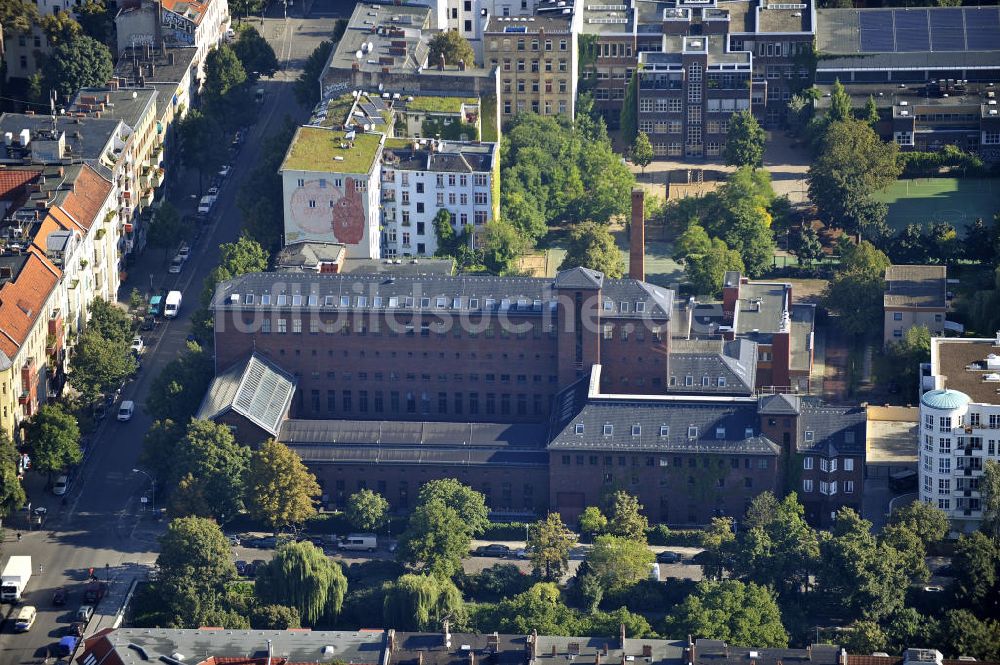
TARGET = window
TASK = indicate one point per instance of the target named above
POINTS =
(944, 485)
(664, 430)
(609, 430)
(944, 465)
(807, 485)
(579, 428)
(848, 464)
(693, 432)
(897, 316)
(944, 445)
(807, 463)
(944, 504)
(848, 487)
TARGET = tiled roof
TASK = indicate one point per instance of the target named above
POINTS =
(13, 181)
(432, 293)
(836, 430)
(579, 278)
(189, 9)
(89, 193)
(22, 301)
(258, 390)
(735, 362)
(916, 286)
(780, 404)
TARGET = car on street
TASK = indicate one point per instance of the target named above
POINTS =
(59, 597)
(67, 645)
(668, 557)
(94, 592)
(522, 553)
(125, 411)
(148, 322)
(495, 550)
(238, 138)
(137, 345)
(61, 485)
(224, 171)
(184, 250)
(75, 629)
(177, 264)
(213, 190)
(84, 613)
(25, 618)
(933, 589)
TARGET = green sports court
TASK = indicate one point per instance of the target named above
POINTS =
(958, 201)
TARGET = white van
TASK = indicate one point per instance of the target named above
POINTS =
(172, 305)
(654, 572)
(126, 410)
(61, 485)
(25, 619)
(359, 541)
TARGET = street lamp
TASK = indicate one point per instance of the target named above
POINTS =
(152, 488)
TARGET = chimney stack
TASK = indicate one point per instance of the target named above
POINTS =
(637, 243)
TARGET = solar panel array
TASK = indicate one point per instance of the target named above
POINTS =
(920, 30)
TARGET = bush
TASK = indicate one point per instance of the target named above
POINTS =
(505, 531)
(659, 534)
(499, 581)
(921, 164)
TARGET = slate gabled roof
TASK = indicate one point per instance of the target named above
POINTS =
(780, 404)
(579, 278)
(735, 362)
(258, 390)
(836, 430)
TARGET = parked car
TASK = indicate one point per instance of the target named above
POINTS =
(67, 645)
(59, 597)
(224, 171)
(213, 190)
(494, 550)
(75, 629)
(668, 557)
(94, 592)
(934, 589)
(148, 322)
(84, 613)
(25, 618)
(125, 411)
(177, 264)
(257, 564)
(61, 485)
(137, 345)
(184, 250)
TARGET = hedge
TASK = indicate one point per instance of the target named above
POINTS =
(659, 534)
(505, 531)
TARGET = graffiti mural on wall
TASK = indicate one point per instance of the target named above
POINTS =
(177, 30)
(320, 211)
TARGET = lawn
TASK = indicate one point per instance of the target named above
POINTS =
(958, 201)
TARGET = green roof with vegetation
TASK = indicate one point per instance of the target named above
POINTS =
(439, 104)
(337, 110)
(316, 149)
(398, 143)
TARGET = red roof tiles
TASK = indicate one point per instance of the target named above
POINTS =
(89, 193)
(22, 301)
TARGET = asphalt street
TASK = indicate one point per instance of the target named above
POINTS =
(104, 524)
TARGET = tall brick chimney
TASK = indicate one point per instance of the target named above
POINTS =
(637, 236)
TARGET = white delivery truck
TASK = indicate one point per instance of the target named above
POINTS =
(172, 305)
(14, 578)
(359, 541)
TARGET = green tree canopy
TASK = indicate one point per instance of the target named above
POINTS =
(301, 576)
(855, 292)
(199, 134)
(367, 510)
(549, 545)
(453, 46)
(840, 104)
(53, 439)
(166, 228)
(110, 321)
(255, 53)
(436, 538)
(212, 467)
(421, 602)
(625, 517)
(178, 389)
(95, 20)
(976, 564)
(307, 90)
(195, 564)
(12, 494)
(745, 140)
(467, 502)
(619, 562)
(280, 488)
(990, 488)
(592, 246)
(592, 521)
(223, 72)
(705, 271)
(82, 62)
(18, 15)
(731, 611)
(274, 617)
(503, 247)
(930, 523)
(59, 27)
(642, 151)
(539, 608)
(99, 364)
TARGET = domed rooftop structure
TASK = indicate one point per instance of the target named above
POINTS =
(944, 400)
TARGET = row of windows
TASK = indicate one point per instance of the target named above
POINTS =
(504, 404)
(534, 66)
(676, 461)
(829, 465)
(474, 377)
(546, 109)
(945, 423)
(828, 488)
(522, 44)
(608, 429)
(604, 94)
(535, 86)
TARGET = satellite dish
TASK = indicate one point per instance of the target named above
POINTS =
(358, 54)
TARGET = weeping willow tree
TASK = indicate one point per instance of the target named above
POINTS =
(421, 602)
(301, 576)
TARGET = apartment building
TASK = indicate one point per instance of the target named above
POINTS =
(959, 426)
(536, 58)
(931, 70)
(914, 296)
(420, 178)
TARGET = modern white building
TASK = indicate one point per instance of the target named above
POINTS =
(959, 427)
(419, 178)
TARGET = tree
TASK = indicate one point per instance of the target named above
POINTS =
(503, 247)
(213, 469)
(195, 563)
(976, 564)
(453, 47)
(865, 636)
(199, 134)
(161, 451)
(80, 63)
(539, 608)
(166, 228)
(990, 488)
(730, 611)
(223, 73)
(59, 27)
(549, 544)
(367, 510)
(12, 494)
(840, 104)
(177, 391)
(807, 246)
(274, 617)
(910, 548)
(626, 518)
(852, 164)
(525, 217)
(749, 233)
(421, 602)
(110, 321)
(307, 87)
(705, 271)
(966, 634)
(592, 521)
(592, 246)
(95, 20)
(871, 112)
(719, 542)
(436, 538)
(99, 365)
(255, 53)
(930, 523)
(467, 502)
(642, 151)
(619, 562)
(281, 488)
(630, 109)
(855, 293)
(445, 234)
(53, 439)
(693, 241)
(303, 577)
(745, 141)
(18, 15)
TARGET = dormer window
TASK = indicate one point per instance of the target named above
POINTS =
(425, 303)
(688, 380)
(362, 301)
(636, 430)
(265, 299)
(664, 430)
(490, 302)
(313, 300)
(624, 307)
(748, 433)
(248, 299)
(473, 303)
(456, 303)
(608, 306)
(377, 302)
(640, 307)
(720, 432)
(609, 430)
(296, 300)
(693, 432)
(442, 303)
(579, 428)
(809, 436)
(282, 300)
(408, 301)
(722, 382)
(345, 301)
(393, 302)
(705, 381)
(329, 301)
(849, 436)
